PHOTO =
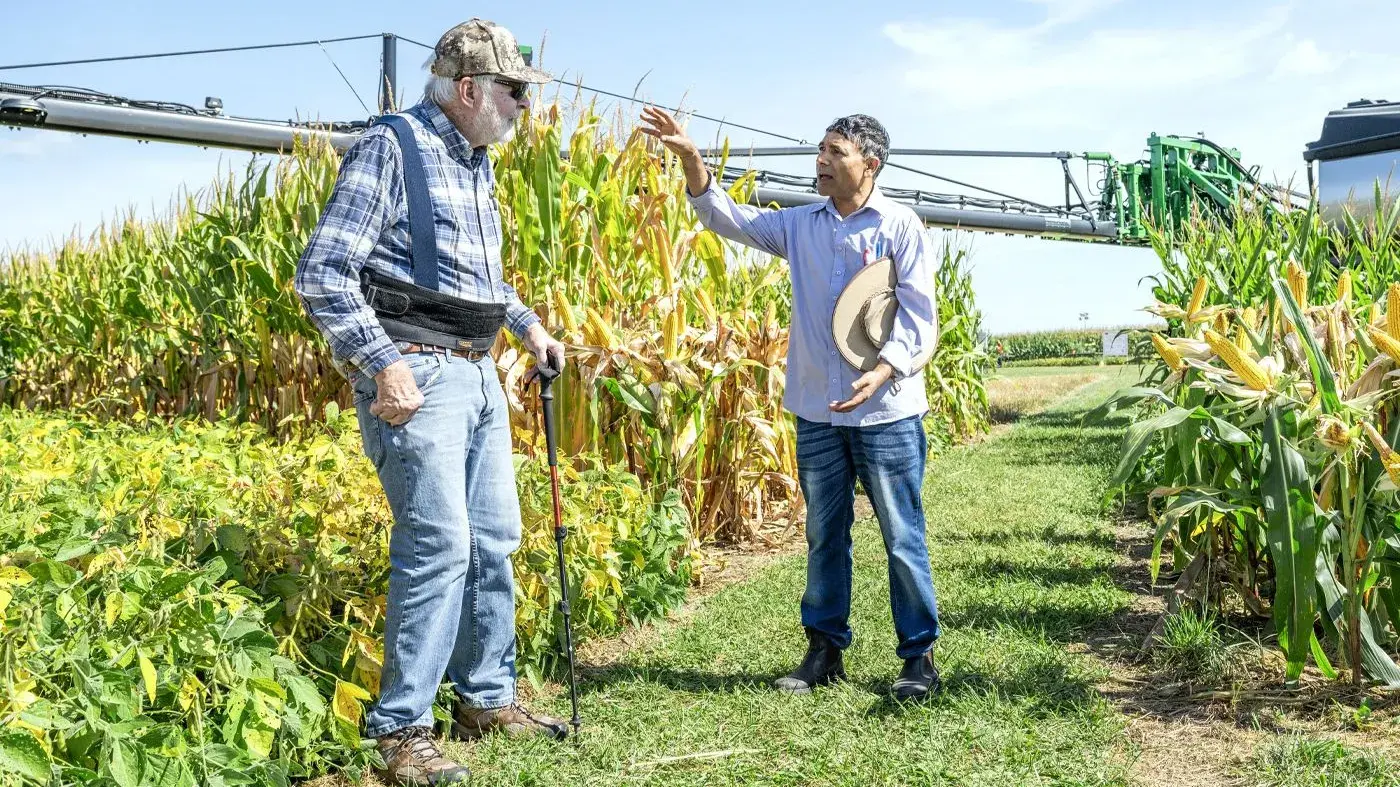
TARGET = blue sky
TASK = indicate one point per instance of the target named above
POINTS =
(1076, 75)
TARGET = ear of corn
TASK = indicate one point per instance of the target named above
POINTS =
(1297, 283)
(1241, 364)
(1344, 287)
(1169, 354)
(1392, 311)
(1198, 297)
(1389, 458)
(1384, 342)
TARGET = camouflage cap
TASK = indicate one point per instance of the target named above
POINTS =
(478, 47)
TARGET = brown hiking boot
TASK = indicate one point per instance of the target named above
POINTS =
(471, 723)
(412, 757)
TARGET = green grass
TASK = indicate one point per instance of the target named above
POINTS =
(1021, 557)
(1295, 762)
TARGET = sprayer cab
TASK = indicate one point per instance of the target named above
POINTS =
(1359, 148)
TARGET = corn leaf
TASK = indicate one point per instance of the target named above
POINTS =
(1292, 535)
(1374, 660)
(1322, 373)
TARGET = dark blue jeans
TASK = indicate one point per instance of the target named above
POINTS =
(889, 461)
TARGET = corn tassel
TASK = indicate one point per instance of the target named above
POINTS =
(1241, 364)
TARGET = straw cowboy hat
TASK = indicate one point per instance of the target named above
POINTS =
(865, 314)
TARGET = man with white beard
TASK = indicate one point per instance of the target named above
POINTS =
(403, 277)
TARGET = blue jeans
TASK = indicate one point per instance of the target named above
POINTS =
(889, 461)
(451, 485)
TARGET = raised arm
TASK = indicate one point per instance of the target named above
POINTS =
(752, 226)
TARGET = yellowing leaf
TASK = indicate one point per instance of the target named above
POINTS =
(9, 575)
(346, 703)
(148, 675)
(114, 608)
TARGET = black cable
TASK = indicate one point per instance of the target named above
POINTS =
(581, 86)
(181, 54)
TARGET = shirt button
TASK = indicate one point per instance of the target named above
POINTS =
(833, 353)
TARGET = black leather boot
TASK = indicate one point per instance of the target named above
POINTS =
(821, 665)
(918, 679)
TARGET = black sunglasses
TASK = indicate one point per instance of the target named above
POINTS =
(517, 89)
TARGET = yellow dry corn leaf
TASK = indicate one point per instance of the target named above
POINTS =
(1241, 364)
(1169, 354)
(1392, 311)
(9, 575)
(1344, 287)
(346, 702)
(1384, 341)
(1198, 297)
(148, 675)
(1298, 283)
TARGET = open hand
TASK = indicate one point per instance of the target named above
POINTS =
(659, 123)
(865, 387)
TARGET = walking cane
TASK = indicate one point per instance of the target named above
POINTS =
(547, 374)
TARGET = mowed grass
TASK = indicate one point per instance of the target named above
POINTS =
(1296, 761)
(1021, 556)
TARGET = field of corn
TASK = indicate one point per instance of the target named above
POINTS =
(1266, 447)
(1035, 347)
(193, 549)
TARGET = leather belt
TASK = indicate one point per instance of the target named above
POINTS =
(470, 355)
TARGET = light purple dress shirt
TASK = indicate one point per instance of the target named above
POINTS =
(823, 252)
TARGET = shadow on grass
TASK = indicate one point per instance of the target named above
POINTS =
(1044, 687)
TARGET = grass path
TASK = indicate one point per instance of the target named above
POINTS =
(1022, 559)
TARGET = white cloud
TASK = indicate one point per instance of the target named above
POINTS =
(1256, 76)
(1305, 59)
(1044, 72)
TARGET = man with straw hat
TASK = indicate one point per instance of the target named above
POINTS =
(863, 324)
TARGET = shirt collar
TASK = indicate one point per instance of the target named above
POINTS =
(877, 202)
(457, 146)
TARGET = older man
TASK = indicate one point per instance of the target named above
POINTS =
(403, 276)
(849, 425)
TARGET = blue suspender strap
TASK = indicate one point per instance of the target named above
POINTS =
(420, 206)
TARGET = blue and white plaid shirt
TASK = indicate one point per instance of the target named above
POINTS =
(365, 222)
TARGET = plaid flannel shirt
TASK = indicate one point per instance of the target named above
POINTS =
(365, 222)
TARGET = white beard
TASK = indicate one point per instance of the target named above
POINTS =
(490, 127)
